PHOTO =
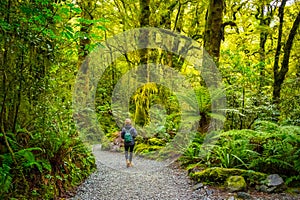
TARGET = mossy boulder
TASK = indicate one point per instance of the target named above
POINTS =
(236, 183)
(218, 175)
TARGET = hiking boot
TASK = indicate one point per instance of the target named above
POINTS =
(130, 164)
(127, 163)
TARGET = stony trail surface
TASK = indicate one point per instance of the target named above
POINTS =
(148, 179)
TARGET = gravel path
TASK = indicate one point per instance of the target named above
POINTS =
(146, 180)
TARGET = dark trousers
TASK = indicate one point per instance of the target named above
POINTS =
(130, 148)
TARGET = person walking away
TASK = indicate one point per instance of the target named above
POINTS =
(128, 134)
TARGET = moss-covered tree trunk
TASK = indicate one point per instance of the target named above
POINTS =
(264, 21)
(142, 103)
(213, 36)
(213, 29)
(84, 41)
(144, 22)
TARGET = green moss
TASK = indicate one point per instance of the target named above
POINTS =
(218, 175)
(236, 183)
(195, 166)
(156, 141)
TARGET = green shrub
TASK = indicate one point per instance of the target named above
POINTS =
(193, 153)
(269, 148)
(266, 126)
(58, 162)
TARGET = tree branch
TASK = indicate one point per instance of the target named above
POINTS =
(287, 48)
(232, 24)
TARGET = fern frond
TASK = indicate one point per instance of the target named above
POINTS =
(292, 179)
(5, 178)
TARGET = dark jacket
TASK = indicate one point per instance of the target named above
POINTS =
(133, 133)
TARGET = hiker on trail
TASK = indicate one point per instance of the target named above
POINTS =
(128, 133)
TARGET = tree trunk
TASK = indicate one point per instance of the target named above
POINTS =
(262, 50)
(144, 22)
(141, 111)
(264, 18)
(84, 42)
(213, 29)
(213, 36)
(279, 74)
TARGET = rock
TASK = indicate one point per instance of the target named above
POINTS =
(271, 189)
(198, 186)
(236, 183)
(274, 180)
(243, 195)
(209, 192)
(231, 198)
(274, 184)
(262, 188)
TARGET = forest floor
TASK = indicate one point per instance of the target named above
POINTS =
(149, 179)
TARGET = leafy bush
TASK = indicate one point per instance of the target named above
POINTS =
(58, 162)
(268, 148)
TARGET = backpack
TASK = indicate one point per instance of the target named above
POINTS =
(127, 136)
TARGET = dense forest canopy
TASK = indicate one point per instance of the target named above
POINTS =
(255, 46)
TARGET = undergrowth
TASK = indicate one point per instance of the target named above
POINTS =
(267, 148)
(44, 164)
